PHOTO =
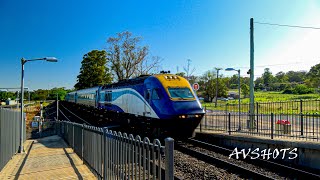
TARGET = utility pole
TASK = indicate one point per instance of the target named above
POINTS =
(217, 86)
(57, 108)
(251, 108)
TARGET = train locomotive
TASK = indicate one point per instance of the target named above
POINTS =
(165, 102)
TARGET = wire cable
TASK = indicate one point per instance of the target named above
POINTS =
(286, 25)
(64, 115)
(75, 115)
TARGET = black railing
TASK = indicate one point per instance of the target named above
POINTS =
(298, 126)
(278, 107)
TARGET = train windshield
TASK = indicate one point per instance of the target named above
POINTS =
(181, 93)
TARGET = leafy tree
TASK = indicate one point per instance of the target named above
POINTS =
(208, 84)
(314, 75)
(245, 90)
(127, 58)
(281, 77)
(4, 95)
(267, 77)
(182, 74)
(40, 94)
(296, 76)
(259, 83)
(233, 82)
(61, 92)
(93, 71)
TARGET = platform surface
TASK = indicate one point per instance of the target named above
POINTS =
(46, 158)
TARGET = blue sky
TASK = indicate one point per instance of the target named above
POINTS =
(211, 33)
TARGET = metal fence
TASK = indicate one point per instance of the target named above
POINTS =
(113, 155)
(9, 134)
(298, 126)
(280, 107)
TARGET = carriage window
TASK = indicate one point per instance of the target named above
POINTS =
(108, 96)
(180, 93)
(155, 94)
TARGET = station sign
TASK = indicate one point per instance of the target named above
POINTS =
(195, 86)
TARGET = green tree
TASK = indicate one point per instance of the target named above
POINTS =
(267, 77)
(208, 84)
(245, 90)
(296, 76)
(4, 95)
(281, 77)
(127, 58)
(314, 75)
(61, 92)
(93, 71)
(182, 74)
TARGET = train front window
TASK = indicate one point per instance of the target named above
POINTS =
(182, 93)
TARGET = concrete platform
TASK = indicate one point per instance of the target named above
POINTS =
(46, 158)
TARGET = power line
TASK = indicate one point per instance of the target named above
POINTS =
(270, 65)
(286, 25)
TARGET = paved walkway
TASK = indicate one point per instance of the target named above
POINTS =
(46, 158)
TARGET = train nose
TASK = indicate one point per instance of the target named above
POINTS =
(187, 107)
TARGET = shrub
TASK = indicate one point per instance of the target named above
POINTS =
(288, 91)
(302, 89)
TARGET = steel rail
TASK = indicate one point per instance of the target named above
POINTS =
(233, 168)
(273, 166)
(75, 115)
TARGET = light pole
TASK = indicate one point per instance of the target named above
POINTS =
(23, 61)
(232, 69)
(217, 86)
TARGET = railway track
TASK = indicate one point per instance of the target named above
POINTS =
(247, 168)
(231, 167)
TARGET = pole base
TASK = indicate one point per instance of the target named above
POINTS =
(21, 149)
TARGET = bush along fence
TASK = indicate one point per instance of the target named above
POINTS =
(10, 123)
(298, 126)
(280, 107)
(113, 155)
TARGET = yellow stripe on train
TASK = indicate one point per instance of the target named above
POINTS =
(173, 81)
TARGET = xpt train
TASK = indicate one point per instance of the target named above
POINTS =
(165, 102)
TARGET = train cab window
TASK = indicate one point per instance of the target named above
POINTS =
(180, 93)
(155, 94)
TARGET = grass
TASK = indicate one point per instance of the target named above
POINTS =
(275, 102)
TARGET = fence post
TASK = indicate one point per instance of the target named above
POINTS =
(73, 136)
(229, 123)
(301, 117)
(257, 113)
(205, 117)
(301, 123)
(169, 147)
(82, 134)
(272, 125)
(104, 153)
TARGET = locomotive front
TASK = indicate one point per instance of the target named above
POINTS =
(176, 104)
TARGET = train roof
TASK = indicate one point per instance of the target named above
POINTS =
(88, 90)
(127, 82)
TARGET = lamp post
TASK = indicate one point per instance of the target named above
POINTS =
(218, 69)
(238, 70)
(23, 61)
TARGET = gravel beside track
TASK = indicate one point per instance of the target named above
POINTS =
(251, 167)
(188, 167)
